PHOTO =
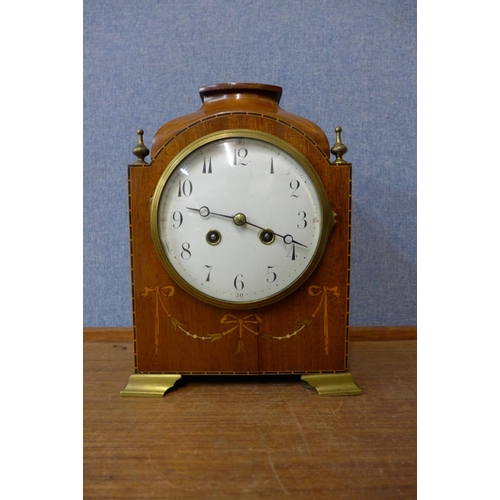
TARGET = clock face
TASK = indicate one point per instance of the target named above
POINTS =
(240, 219)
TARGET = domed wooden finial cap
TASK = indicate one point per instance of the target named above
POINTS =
(141, 151)
(339, 148)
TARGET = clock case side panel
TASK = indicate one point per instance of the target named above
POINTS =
(131, 219)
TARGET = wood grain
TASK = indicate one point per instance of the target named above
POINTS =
(250, 437)
(356, 333)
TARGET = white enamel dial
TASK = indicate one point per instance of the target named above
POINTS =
(240, 219)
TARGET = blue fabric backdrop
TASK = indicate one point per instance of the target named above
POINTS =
(339, 62)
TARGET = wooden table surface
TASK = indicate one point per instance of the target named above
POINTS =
(252, 438)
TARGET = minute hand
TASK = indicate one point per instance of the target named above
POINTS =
(240, 220)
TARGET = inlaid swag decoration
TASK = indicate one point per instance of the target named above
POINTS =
(248, 323)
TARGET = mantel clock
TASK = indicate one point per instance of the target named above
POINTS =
(240, 246)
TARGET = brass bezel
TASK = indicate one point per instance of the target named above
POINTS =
(327, 221)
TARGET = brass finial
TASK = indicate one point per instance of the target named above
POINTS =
(141, 151)
(339, 148)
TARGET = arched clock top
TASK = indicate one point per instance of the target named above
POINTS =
(240, 98)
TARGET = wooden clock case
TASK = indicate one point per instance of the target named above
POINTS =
(176, 334)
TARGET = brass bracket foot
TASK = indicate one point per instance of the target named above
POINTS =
(146, 385)
(333, 384)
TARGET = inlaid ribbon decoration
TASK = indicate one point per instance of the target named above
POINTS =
(315, 291)
(166, 291)
(241, 323)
